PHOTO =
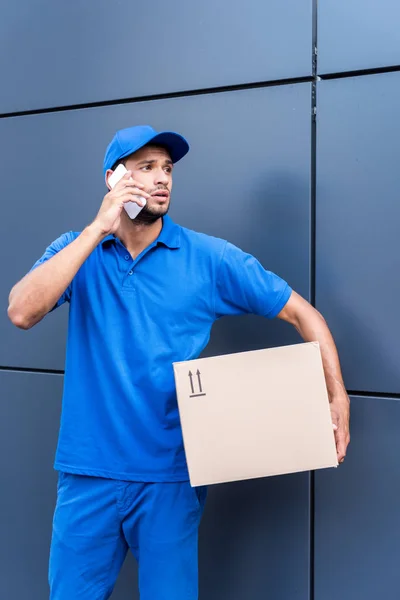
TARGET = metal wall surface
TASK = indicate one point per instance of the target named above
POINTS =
(58, 54)
(29, 417)
(357, 517)
(252, 189)
(253, 534)
(358, 246)
(357, 34)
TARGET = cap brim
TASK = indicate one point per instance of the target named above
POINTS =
(176, 144)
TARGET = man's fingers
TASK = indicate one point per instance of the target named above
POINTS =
(342, 441)
(132, 186)
(137, 191)
(340, 422)
(133, 183)
(341, 452)
(127, 181)
(134, 191)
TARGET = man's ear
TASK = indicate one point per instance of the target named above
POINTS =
(109, 172)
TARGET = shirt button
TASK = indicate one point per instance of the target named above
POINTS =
(130, 273)
(127, 257)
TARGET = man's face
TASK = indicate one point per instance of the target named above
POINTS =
(152, 166)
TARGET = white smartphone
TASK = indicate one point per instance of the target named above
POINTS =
(131, 208)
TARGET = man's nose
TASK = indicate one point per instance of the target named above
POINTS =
(161, 177)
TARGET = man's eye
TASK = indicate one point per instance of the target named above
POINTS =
(168, 169)
(146, 168)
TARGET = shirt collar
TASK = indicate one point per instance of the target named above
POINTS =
(109, 238)
(170, 235)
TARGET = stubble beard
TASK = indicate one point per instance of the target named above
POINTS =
(148, 215)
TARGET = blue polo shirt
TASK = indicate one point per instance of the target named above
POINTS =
(129, 320)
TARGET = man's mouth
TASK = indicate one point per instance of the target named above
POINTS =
(160, 194)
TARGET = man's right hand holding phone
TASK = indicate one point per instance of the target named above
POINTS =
(126, 190)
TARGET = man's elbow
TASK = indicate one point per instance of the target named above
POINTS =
(311, 317)
(320, 316)
(18, 318)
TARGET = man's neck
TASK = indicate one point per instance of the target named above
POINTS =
(137, 236)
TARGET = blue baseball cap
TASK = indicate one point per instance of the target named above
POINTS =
(127, 141)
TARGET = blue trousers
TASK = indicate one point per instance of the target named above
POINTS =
(95, 522)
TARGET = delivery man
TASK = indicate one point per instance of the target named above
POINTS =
(143, 293)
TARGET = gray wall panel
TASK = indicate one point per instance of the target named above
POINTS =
(358, 247)
(29, 418)
(357, 516)
(247, 178)
(77, 53)
(360, 34)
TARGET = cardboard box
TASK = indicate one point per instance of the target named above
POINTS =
(255, 414)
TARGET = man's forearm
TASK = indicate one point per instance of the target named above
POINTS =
(38, 292)
(312, 327)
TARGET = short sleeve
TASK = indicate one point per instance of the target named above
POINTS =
(245, 287)
(54, 248)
